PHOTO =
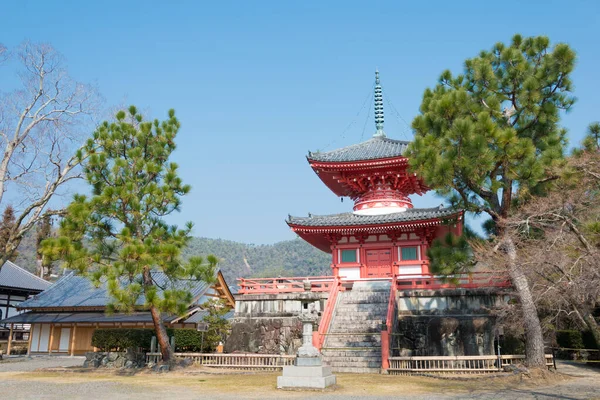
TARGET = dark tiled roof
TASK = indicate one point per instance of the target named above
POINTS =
(199, 316)
(375, 148)
(13, 276)
(351, 219)
(78, 291)
(43, 317)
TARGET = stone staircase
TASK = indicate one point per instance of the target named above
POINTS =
(353, 343)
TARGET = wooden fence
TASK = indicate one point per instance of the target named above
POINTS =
(266, 362)
(454, 365)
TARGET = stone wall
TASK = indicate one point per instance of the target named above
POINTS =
(114, 359)
(269, 323)
(446, 322)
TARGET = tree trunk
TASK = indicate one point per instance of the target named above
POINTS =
(159, 327)
(534, 346)
(7, 253)
(161, 335)
(592, 325)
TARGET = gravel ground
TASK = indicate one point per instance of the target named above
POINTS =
(17, 379)
(23, 364)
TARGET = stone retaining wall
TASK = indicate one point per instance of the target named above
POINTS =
(113, 359)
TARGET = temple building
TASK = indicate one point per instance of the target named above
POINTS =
(381, 309)
(384, 234)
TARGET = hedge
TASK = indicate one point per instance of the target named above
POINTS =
(120, 339)
(573, 339)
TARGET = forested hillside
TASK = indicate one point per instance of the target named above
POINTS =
(287, 258)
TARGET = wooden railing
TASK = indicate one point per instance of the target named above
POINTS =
(456, 364)
(16, 327)
(266, 362)
(327, 314)
(464, 281)
(284, 285)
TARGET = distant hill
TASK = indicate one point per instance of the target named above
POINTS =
(287, 258)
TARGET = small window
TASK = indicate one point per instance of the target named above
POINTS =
(409, 253)
(349, 256)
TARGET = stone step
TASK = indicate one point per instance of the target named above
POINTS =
(357, 320)
(359, 336)
(362, 327)
(364, 300)
(356, 370)
(365, 295)
(339, 343)
(355, 361)
(329, 352)
(364, 314)
(355, 331)
(354, 320)
(346, 363)
(364, 307)
(372, 285)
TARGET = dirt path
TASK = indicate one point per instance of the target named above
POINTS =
(20, 380)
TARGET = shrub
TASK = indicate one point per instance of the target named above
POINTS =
(512, 345)
(121, 339)
(186, 340)
(569, 339)
(588, 340)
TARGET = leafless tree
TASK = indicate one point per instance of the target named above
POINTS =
(41, 131)
(558, 243)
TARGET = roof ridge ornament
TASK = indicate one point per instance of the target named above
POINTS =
(378, 97)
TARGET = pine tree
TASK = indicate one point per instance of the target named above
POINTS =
(134, 186)
(592, 139)
(485, 134)
(218, 326)
(7, 227)
(43, 231)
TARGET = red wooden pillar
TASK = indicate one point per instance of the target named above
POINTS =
(385, 350)
(424, 260)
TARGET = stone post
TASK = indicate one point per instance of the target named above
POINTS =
(309, 372)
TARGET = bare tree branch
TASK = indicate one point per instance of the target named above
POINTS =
(42, 126)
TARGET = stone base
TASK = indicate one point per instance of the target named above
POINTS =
(316, 377)
(308, 361)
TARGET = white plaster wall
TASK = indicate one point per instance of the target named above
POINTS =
(350, 273)
(410, 269)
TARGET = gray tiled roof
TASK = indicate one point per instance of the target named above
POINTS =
(199, 316)
(351, 219)
(78, 291)
(13, 276)
(61, 317)
(375, 148)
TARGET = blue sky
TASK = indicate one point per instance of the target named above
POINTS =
(258, 84)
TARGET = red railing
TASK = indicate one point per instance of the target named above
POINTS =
(284, 285)
(473, 280)
(327, 314)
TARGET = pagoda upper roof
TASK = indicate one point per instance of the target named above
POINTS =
(351, 219)
(378, 147)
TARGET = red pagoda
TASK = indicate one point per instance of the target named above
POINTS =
(384, 235)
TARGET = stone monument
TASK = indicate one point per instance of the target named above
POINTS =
(309, 372)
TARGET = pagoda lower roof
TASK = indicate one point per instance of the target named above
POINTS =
(351, 219)
(372, 149)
